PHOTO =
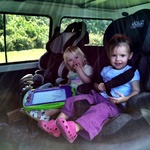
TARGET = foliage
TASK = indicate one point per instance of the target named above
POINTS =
(95, 28)
(29, 32)
(24, 32)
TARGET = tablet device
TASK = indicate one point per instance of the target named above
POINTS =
(50, 98)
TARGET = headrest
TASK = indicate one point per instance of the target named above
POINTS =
(75, 34)
(136, 26)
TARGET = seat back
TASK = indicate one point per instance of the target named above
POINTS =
(51, 64)
(75, 34)
(137, 27)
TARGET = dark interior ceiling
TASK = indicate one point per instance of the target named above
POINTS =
(102, 4)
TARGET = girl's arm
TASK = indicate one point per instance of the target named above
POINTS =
(135, 90)
(100, 87)
(85, 78)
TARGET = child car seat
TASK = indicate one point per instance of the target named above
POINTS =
(137, 27)
(51, 63)
(75, 34)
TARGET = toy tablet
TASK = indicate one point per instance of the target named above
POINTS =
(43, 99)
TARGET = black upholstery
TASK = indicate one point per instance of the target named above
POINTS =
(137, 27)
(50, 63)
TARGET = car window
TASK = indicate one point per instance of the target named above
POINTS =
(96, 28)
(22, 37)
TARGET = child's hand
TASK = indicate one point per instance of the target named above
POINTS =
(102, 87)
(77, 68)
(118, 100)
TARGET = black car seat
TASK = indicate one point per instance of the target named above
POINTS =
(50, 64)
(137, 27)
(52, 61)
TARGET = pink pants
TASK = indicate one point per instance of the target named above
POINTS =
(93, 119)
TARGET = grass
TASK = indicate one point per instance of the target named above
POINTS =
(24, 55)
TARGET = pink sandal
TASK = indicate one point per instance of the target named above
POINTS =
(50, 127)
(68, 129)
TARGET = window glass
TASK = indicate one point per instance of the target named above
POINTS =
(26, 37)
(2, 52)
(96, 28)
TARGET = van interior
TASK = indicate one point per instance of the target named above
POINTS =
(33, 37)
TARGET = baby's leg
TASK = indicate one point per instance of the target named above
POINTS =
(69, 107)
(95, 117)
(51, 112)
(62, 115)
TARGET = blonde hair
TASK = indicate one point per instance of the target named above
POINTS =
(74, 50)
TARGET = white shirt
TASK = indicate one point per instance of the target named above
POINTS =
(109, 72)
(74, 77)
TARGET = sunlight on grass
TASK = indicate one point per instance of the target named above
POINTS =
(24, 55)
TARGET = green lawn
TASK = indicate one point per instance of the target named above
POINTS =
(24, 55)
